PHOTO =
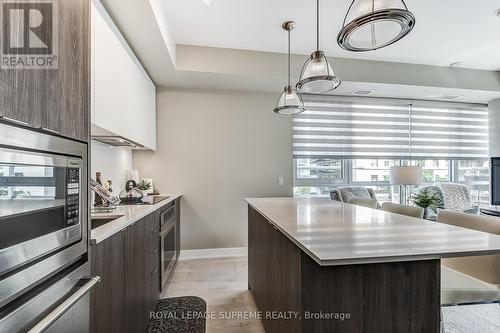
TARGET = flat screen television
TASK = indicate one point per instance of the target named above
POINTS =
(495, 181)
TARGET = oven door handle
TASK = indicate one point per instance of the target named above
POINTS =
(167, 226)
(55, 314)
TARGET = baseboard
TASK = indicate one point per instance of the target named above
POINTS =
(229, 252)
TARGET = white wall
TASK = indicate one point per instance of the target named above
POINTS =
(218, 148)
(112, 162)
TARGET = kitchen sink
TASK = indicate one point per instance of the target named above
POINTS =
(97, 221)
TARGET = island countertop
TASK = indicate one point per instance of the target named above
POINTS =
(335, 233)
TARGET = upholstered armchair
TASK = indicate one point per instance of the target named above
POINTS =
(345, 194)
(453, 196)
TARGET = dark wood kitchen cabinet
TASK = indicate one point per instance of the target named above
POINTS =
(53, 99)
(135, 277)
(108, 298)
(128, 265)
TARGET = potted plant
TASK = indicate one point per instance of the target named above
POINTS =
(146, 186)
(427, 200)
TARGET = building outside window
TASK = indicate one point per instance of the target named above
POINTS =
(318, 178)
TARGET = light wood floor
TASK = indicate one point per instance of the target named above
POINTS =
(223, 284)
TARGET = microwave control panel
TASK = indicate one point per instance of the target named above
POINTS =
(73, 196)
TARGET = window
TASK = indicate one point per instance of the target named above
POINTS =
(476, 175)
(355, 141)
(364, 170)
(311, 171)
(318, 178)
(311, 191)
(435, 170)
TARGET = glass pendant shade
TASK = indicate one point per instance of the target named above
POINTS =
(317, 75)
(289, 103)
(374, 24)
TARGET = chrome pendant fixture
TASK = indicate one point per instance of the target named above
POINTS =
(317, 75)
(290, 102)
(373, 24)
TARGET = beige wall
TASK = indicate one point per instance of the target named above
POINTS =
(218, 148)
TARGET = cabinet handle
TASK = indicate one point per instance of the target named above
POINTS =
(50, 130)
(155, 251)
(15, 121)
(154, 270)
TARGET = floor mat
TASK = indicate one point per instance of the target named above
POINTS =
(178, 315)
(481, 318)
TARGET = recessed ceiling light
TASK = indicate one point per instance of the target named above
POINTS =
(207, 2)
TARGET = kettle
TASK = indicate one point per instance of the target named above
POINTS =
(131, 194)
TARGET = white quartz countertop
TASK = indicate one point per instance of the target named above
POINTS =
(129, 214)
(334, 233)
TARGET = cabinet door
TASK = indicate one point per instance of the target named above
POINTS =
(56, 99)
(136, 248)
(107, 299)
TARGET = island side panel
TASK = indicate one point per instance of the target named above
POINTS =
(273, 275)
(385, 297)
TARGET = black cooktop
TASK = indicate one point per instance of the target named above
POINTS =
(147, 200)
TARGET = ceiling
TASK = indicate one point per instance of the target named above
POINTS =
(239, 45)
(466, 33)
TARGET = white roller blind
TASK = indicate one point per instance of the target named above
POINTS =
(348, 127)
(449, 130)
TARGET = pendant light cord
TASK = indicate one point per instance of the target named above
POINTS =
(317, 25)
(289, 56)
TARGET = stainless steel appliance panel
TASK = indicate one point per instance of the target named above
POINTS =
(168, 248)
(33, 253)
(59, 305)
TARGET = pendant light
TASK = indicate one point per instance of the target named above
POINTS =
(317, 75)
(374, 24)
(290, 102)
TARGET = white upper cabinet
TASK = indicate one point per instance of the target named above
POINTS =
(123, 95)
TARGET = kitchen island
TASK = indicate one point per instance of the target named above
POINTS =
(317, 265)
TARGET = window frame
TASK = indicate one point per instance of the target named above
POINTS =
(347, 176)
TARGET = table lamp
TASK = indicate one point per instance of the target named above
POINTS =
(405, 176)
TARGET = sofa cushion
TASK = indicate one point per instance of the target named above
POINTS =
(455, 196)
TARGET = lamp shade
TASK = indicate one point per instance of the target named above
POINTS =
(317, 75)
(406, 175)
(374, 24)
(289, 103)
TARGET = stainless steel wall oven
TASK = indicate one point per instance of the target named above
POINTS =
(43, 225)
(168, 245)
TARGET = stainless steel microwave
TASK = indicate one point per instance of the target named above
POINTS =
(43, 213)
